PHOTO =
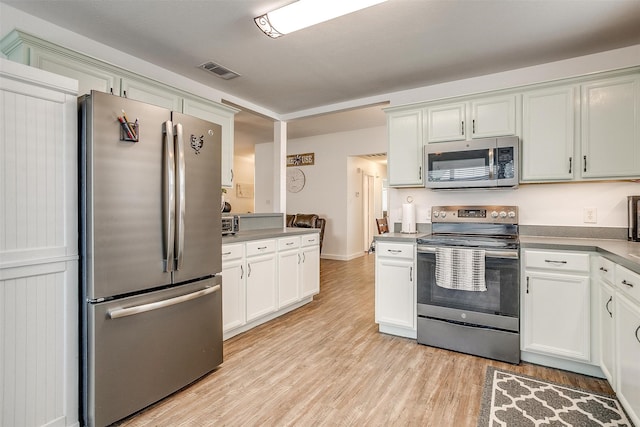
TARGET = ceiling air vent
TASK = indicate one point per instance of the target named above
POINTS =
(219, 70)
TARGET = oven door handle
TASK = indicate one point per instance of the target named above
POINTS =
(487, 253)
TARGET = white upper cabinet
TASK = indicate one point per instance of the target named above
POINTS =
(610, 130)
(446, 122)
(548, 137)
(405, 148)
(151, 93)
(478, 118)
(493, 117)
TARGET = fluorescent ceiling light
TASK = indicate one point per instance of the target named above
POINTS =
(305, 13)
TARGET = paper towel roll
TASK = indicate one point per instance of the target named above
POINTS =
(408, 218)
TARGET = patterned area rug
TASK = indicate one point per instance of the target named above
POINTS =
(514, 400)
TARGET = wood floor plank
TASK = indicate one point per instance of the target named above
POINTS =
(326, 364)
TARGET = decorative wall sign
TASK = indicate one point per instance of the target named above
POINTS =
(306, 159)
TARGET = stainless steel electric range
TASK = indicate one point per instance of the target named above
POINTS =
(469, 282)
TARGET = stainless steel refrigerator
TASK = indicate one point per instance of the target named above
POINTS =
(150, 253)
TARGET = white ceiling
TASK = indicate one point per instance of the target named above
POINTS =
(397, 45)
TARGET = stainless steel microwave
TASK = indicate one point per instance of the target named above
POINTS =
(478, 163)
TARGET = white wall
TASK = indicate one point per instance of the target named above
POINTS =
(330, 184)
(243, 174)
(263, 177)
(539, 204)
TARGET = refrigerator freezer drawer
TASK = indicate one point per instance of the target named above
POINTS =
(146, 347)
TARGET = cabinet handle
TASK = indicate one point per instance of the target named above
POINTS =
(226, 253)
(249, 270)
(299, 258)
(585, 163)
(394, 251)
(289, 243)
(570, 161)
(260, 248)
(527, 284)
(411, 274)
(462, 127)
(604, 269)
(607, 306)
(629, 284)
(231, 175)
(473, 126)
(420, 173)
(304, 257)
(637, 329)
(125, 93)
(241, 272)
(554, 261)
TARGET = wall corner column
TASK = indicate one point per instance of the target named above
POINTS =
(279, 166)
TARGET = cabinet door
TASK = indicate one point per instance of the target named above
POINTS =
(556, 315)
(223, 116)
(446, 122)
(395, 295)
(610, 131)
(288, 277)
(548, 135)
(310, 271)
(233, 294)
(405, 148)
(628, 355)
(147, 91)
(90, 77)
(606, 318)
(261, 286)
(493, 117)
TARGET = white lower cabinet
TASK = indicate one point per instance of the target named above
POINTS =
(556, 309)
(395, 293)
(288, 270)
(310, 265)
(234, 310)
(607, 315)
(263, 279)
(628, 355)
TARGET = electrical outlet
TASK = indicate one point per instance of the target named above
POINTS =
(590, 215)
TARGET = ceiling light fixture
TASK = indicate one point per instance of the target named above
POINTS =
(305, 13)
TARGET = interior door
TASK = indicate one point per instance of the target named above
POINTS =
(121, 197)
(198, 229)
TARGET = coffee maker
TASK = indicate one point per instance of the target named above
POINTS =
(634, 218)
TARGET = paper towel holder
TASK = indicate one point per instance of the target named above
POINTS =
(409, 217)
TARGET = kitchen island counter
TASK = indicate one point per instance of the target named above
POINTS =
(268, 233)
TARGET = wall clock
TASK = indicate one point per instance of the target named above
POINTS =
(295, 180)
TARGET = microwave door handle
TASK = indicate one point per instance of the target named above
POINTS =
(168, 194)
(180, 195)
(491, 163)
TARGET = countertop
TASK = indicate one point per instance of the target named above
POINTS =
(621, 252)
(269, 233)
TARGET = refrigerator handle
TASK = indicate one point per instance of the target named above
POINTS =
(180, 194)
(130, 311)
(168, 195)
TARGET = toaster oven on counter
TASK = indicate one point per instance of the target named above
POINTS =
(229, 224)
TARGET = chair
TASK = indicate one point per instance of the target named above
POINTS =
(383, 226)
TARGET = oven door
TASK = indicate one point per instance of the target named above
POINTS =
(497, 307)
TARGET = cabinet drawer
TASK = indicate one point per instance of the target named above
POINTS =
(261, 247)
(395, 250)
(628, 281)
(234, 251)
(311, 239)
(288, 243)
(557, 261)
(604, 269)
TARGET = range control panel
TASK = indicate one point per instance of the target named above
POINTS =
(495, 214)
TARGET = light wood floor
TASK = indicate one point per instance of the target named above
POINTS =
(326, 364)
